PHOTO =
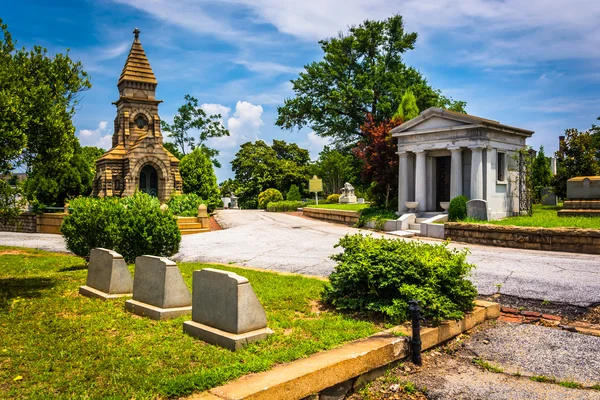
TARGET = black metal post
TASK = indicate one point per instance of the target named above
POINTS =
(415, 341)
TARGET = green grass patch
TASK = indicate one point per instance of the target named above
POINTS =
(63, 345)
(542, 378)
(570, 384)
(545, 217)
(487, 366)
(351, 207)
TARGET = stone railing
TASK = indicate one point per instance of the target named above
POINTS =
(343, 216)
(553, 239)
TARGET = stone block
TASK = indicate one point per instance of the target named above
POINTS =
(348, 200)
(108, 276)
(583, 187)
(477, 209)
(549, 198)
(159, 291)
(226, 311)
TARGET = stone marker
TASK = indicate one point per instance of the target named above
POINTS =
(159, 291)
(108, 276)
(348, 195)
(583, 197)
(477, 209)
(549, 197)
(225, 310)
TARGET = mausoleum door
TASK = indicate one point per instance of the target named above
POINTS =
(149, 180)
(442, 189)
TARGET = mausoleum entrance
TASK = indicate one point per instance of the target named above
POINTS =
(149, 180)
(442, 180)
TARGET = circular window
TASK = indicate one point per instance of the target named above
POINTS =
(140, 121)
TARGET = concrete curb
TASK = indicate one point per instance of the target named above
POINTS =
(360, 359)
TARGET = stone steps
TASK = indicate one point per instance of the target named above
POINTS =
(414, 227)
(194, 230)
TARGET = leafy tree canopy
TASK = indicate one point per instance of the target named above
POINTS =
(38, 96)
(199, 177)
(541, 174)
(91, 154)
(173, 149)
(408, 108)
(335, 168)
(576, 157)
(190, 116)
(362, 72)
(258, 166)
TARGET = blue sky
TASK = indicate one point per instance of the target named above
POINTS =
(534, 64)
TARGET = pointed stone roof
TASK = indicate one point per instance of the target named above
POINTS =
(137, 68)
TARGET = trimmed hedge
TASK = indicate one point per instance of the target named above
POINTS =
(132, 226)
(284, 206)
(333, 198)
(268, 196)
(185, 205)
(457, 210)
(382, 275)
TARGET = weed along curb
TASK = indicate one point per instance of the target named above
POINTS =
(339, 370)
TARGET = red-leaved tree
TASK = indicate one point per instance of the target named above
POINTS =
(378, 151)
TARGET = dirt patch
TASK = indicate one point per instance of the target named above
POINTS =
(568, 311)
(18, 253)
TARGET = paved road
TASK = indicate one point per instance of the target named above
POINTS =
(294, 244)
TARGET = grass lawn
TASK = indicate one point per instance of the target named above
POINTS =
(352, 207)
(546, 217)
(58, 344)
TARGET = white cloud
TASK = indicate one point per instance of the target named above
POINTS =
(244, 125)
(316, 144)
(268, 68)
(98, 137)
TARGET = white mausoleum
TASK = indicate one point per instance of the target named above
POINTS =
(444, 154)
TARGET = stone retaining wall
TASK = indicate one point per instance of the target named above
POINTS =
(532, 238)
(347, 217)
(25, 222)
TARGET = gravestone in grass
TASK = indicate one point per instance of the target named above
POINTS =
(549, 197)
(225, 310)
(159, 291)
(108, 276)
(477, 209)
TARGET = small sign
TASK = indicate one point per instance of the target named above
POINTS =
(315, 184)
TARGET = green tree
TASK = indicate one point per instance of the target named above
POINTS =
(362, 72)
(293, 194)
(172, 148)
(191, 116)
(576, 157)
(53, 183)
(408, 108)
(91, 154)
(541, 174)
(38, 96)
(335, 168)
(199, 177)
(258, 166)
(228, 187)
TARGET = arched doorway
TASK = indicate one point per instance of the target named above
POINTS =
(149, 180)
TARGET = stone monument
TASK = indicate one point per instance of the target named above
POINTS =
(348, 195)
(549, 197)
(137, 159)
(234, 202)
(477, 209)
(108, 276)
(583, 197)
(159, 291)
(225, 310)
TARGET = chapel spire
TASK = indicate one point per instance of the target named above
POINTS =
(137, 68)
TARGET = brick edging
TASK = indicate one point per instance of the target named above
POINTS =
(355, 360)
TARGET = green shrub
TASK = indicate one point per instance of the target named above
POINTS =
(132, 226)
(185, 205)
(378, 214)
(458, 208)
(382, 275)
(293, 194)
(333, 199)
(268, 196)
(284, 206)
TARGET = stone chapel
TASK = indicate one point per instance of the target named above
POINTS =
(137, 159)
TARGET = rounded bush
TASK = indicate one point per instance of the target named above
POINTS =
(333, 198)
(268, 196)
(132, 226)
(382, 275)
(185, 205)
(458, 208)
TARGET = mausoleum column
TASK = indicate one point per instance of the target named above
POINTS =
(421, 180)
(456, 172)
(476, 172)
(402, 181)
